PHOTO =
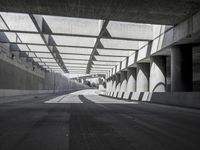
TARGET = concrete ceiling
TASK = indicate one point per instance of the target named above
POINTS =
(73, 44)
(142, 11)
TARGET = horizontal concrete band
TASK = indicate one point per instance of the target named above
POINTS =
(14, 92)
(186, 99)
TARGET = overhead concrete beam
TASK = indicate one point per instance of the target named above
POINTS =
(131, 31)
(94, 51)
(75, 35)
(40, 26)
(6, 41)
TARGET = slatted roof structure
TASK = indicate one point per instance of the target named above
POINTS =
(72, 45)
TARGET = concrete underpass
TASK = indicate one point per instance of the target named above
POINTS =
(99, 75)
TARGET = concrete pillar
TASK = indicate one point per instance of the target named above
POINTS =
(118, 83)
(82, 81)
(142, 84)
(168, 73)
(109, 85)
(114, 83)
(131, 79)
(123, 80)
(157, 82)
(181, 68)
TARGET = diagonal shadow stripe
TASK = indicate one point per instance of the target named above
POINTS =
(84, 99)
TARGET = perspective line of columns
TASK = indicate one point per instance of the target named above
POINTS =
(151, 77)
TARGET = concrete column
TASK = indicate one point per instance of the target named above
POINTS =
(157, 82)
(181, 68)
(114, 83)
(109, 85)
(118, 83)
(142, 84)
(131, 79)
(123, 80)
(82, 81)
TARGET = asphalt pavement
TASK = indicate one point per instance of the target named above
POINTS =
(85, 121)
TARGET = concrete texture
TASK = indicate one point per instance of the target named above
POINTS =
(181, 68)
(109, 85)
(185, 99)
(157, 81)
(118, 83)
(12, 77)
(59, 82)
(162, 12)
(131, 79)
(90, 122)
(123, 80)
(16, 79)
(142, 83)
(186, 32)
(196, 68)
(114, 83)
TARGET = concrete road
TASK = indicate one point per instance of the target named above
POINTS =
(90, 122)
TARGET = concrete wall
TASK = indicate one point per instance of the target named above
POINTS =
(196, 68)
(186, 99)
(178, 77)
(17, 77)
(56, 81)
(12, 77)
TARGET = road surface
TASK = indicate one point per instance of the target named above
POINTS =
(86, 121)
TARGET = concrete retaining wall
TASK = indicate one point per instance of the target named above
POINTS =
(13, 92)
(185, 99)
(15, 76)
(19, 78)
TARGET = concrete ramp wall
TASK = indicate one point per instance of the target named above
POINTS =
(59, 84)
(185, 99)
(18, 77)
